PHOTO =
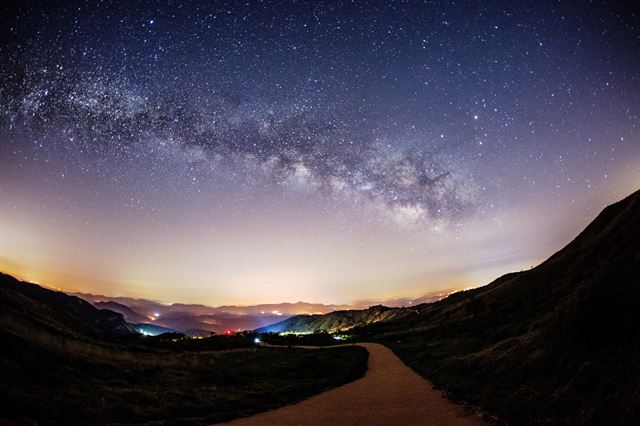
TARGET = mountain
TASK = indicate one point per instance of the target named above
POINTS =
(141, 306)
(216, 323)
(558, 343)
(336, 321)
(149, 308)
(152, 329)
(201, 320)
(398, 302)
(345, 319)
(196, 319)
(65, 362)
(281, 309)
(129, 314)
(29, 307)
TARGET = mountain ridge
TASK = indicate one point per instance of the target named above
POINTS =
(129, 314)
(594, 231)
(30, 305)
(556, 343)
(335, 321)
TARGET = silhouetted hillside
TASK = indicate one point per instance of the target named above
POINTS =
(152, 329)
(284, 308)
(559, 343)
(62, 361)
(201, 320)
(31, 307)
(149, 307)
(336, 321)
(129, 314)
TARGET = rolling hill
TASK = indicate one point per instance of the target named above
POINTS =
(152, 329)
(148, 307)
(31, 308)
(129, 314)
(63, 361)
(559, 343)
(336, 321)
(202, 320)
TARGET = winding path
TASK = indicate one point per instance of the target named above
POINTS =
(390, 393)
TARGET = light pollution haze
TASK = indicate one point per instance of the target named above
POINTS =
(267, 152)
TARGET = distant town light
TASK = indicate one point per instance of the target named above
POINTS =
(257, 341)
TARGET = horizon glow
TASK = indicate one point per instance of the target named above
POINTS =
(272, 152)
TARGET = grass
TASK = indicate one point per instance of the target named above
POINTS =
(557, 344)
(566, 356)
(64, 362)
(112, 383)
(320, 338)
(574, 360)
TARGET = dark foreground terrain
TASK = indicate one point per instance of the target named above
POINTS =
(389, 394)
(557, 344)
(64, 362)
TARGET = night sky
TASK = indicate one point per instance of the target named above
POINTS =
(274, 151)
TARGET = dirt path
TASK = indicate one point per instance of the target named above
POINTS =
(389, 394)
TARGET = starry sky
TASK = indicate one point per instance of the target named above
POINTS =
(244, 152)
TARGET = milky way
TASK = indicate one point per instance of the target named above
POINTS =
(464, 123)
(290, 145)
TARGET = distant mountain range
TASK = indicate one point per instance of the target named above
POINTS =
(152, 329)
(345, 319)
(148, 307)
(336, 321)
(201, 320)
(129, 314)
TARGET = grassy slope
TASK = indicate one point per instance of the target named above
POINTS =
(86, 383)
(556, 344)
(335, 321)
(57, 368)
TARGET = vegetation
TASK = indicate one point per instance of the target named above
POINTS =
(62, 366)
(76, 387)
(90, 383)
(178, 342)
(557, 344)
(318, 338)
(336, 321)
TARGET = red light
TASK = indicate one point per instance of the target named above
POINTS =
(228, 332)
